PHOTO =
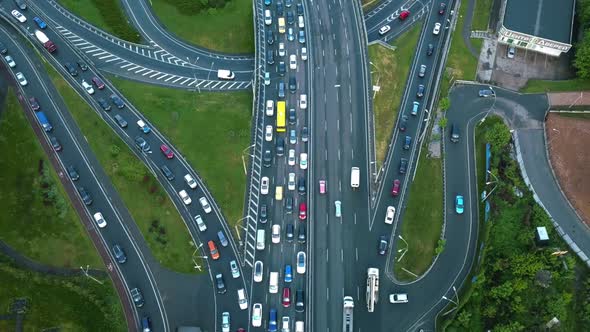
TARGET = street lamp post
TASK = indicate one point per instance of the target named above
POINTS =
(491, 107)
(404, 250)
(243, 160)
(455, 302)
(491, 182)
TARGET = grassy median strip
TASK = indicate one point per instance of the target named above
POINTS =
(541, 86)
(389, 71)
(151, 208)
(105, 14)
(66, 304)
(36, 217)
(228, 29)
(211, 129)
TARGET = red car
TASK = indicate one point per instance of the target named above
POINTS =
(98, 82)
(167, 151)
(286, 297)
(441, 9)
(302, 211)
(322, 186)
(404, 14)
(34, 104)
(395, 189)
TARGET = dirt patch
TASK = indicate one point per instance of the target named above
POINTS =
(568, 139)
(569, 99)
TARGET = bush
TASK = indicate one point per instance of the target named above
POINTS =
(113, 16)
(192, 7)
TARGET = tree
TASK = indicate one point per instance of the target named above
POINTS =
(445, 103)
(498, 136)
(582, 57)
(443, 123)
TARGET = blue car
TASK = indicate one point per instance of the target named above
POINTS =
(267, 2)
(301, 37)
(272, 320)
(459, 205)
(40, 23)
(288, 273)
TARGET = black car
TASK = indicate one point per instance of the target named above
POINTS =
(407, 142)
(301, 186)
(73, 173)
(430, 49)
(403, 124)
(34, 104)
(142, 144)
(270, 58)
(270, 37)
(263, 214)
(292, 84)
(304, 134)
(21, 4)
(290, 233)
(280, 8)
(3, 48)
(420, 92)
(292, 116)
(220, 284)
(167, 172)
(137, 297)
(85, 195)
(486, 93)
(290, 17)
(289, 205)
(82, 65)
(282, 68)
(71, 69)
(117, 101)
(280, 146)
(300, 9)
(104, 104)
(299, 301)
(55, 143)
(403, 166)
(267, 158)
(119, 254)
(301, 233)
(281, 89)
(441, 8)
(382, 247)
(121, 121)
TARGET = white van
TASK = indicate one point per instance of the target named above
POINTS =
(242, 301)
(355, 174)
(273, 283)
(260, 239)
(224, 74)
(270, 107)
(299, 323)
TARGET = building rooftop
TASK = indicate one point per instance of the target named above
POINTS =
(549, 19)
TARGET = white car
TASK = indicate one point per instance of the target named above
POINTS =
(304, 53)
(20, 17)
(235, 271)
(205, 205)
(87, 87)
(266, 78)
(303, 160)
(268, 133)
(267, 17)
(190, 181)
(300, 22)
(10, 62)
(301, 262)
(276, 233)
(21, 79)
(384, 29)
(258, 271)
(100, 220)
(291, 158)
(281, 49)
(436, 29)
(257, 315)
(286, 324)
(389, 215)
(293, 62)
(398, 298)
(270, 107)
(303, 101)
(291, 181)
(264, 185)
(338, 208)
(200, 223)
(225, 322)
(184, 196)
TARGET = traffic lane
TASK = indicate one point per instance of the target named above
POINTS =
(113, 233)
(391, 17)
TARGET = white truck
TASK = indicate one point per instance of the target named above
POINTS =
(224, 74)
(372, 288)
(48, 44)
(355, 177)
(347, 314)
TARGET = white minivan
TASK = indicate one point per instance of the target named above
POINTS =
(270, 107)
(273, 283)
(355, 174)
(242, 301)
(260, 239)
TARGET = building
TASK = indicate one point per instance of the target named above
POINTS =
(543, 26)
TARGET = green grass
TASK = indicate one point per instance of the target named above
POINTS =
(229, 29)
(151, 208)
(540, 86)
(210, 129)
(45, 229)
(461, 64)
(105, 14)
(70, 304)
(389, 71)
(481, 14)
(423, 218)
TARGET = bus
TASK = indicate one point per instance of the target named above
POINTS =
(372, 288)
(281, 124)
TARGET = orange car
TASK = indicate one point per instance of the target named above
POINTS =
(213, 250)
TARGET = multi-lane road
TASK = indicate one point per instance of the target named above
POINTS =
(337, 124)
